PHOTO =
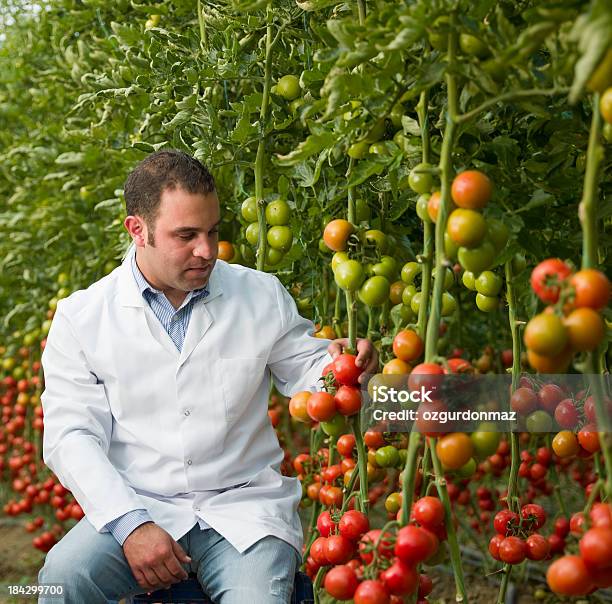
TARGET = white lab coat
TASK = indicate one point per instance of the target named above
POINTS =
(131, 422)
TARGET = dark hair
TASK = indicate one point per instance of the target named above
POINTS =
(162, 170)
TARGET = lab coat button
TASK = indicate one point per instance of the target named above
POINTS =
(189, 462)
(187, 412)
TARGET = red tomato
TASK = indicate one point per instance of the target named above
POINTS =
(569, 576)
(371, 592)
(348, 400)
(345, 370)
(325, 524)
(562, 527)
(353, 524)
(505, 521)
(589, 438)
(426, 375)
(400, 578)
(534, 514)
(321, 406)
(341, 582)
(317, 551)
(596, 548)
(425, 586)
(373, 439)
(494, 544)
(415, 544)
(537, 547)
(429, 512)
(549, 396)
(338, 549)
(385, 548)
(512, 550)
(547, 277)
(345, 445)
(601, 515)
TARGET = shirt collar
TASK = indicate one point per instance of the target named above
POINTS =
(144, 286)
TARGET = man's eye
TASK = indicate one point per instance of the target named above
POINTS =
(214, 232)
(186, 237)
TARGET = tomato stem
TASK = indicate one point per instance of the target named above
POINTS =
(408, 479)
(361, 464)
(201, 23)
(261, 146)
(453, 544)
(516, 371)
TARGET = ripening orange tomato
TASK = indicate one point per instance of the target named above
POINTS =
(585, 329)
(545, 334)
(550, 364)
(471, 190)
(407, 345)
(396, 367)
(433, 205)
(454, 450)
(336, 234)
(298, 406)
(592, 289)
(226, 251)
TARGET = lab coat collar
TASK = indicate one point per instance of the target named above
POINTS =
(129, 294)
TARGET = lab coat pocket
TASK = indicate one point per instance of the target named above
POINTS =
(241, 377)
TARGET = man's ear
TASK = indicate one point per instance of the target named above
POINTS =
(137, 229)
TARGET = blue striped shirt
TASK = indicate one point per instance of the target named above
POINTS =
(175, 321)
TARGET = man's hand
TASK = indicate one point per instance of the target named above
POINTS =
(154, 557)
(367, 355)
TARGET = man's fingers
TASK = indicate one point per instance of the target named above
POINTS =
(336, 347)
(180, 553)
(151, 579)
(175, 569)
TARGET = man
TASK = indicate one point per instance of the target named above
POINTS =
(156, 386)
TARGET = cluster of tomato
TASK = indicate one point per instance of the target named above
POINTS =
(372, 566)
(571, 321)
(34, 488)
(579, 575)
(515, 537)
(470, 238)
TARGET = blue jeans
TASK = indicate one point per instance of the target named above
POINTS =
(93, 569)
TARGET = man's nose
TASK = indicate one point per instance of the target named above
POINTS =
(205, 248)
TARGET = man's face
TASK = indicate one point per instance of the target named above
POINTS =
(185, 237)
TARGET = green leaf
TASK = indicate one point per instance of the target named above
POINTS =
(538, 199)
(312, 145)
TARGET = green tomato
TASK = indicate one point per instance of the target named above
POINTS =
(469, 280)
(377, 131)
(408, 294)
(280, 238)
(420, 182)
(375, 291)
(466, 227)
(487, 303)
(377, 238)
(349, 275)
(607, 132)
(249, 209)
(421, 208)
(449, 304)
(519, 263)
(403, 454)
(362, 210)
(335, 426)
(247, 253)
(449, 277)
(387, 457)
(539, 421)
(439, 37)
(498, 233)
(485, 440)
(406, 314)
(273, 257)
(467, 470)
(415, 302)
(252, 233)
(288, 87)
(477, 259)
(378, 149)
(488, 283)
(322, 247)
(409, 272)
(358, 150)
(278, 212)
(387, 267)
(337, 259)
(471, 45)
(450, 247)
